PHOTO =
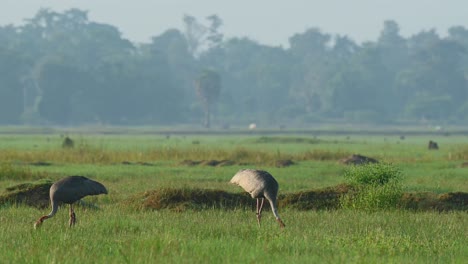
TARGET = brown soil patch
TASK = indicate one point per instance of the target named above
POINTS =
(357, 159)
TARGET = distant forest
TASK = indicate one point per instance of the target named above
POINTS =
(63, 69)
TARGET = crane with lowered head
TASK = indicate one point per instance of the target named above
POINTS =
(69, 190)
(261, 185)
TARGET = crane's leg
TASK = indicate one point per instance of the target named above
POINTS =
(259, 209)
(72, 216)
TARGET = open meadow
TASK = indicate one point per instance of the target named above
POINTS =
(126, 228)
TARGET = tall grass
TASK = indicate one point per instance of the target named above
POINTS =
(376, 186)
(115, 235)
(119, 233)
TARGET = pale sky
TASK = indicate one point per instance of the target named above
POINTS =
(269, 22)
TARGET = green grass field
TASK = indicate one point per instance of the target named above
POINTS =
(130, 164)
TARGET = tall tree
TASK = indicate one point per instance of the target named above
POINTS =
(201, 37)
(208, 86)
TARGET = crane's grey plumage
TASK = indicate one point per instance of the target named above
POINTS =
(260, 184)
(69, 190)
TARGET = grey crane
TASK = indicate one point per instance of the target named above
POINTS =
(69, 190)
(260, 184)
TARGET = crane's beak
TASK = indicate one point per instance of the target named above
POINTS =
(280, 223)
(37, 224)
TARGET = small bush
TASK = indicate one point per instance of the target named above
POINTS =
(376, 186)
(372, 174)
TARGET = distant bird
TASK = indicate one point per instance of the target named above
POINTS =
(260, 184)
(69, 190)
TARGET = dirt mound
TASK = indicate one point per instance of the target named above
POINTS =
(432, 145)
(68, 143)
(221, 163)
(35, 194)
(430, 201)
(212, 163)
(288, 140)
(284, 163)
(327, 198)
(40, 163)
(181, 199)
(357, 159)
(320, 199)
(141, 163)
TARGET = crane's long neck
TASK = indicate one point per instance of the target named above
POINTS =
(274, 208)
(275, 211)
(51, 214)
(54, 209)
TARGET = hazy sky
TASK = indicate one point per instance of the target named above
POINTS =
(269, 22)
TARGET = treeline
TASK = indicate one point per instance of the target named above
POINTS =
(62, 68)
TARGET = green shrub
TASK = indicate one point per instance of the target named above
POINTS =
(376, 186)
(372, 174)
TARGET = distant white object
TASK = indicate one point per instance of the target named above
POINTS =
(252, 126)
(438, 128)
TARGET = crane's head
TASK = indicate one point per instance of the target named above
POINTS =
(39, 222)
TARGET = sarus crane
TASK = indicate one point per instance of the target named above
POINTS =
(69, 190)
(260, 184)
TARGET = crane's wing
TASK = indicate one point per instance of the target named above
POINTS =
(250, 180)
(73, 188)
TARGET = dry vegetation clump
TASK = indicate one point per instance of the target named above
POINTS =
(288, 140)
(189, 162)
(357, 159)
(212, 163)
(40, 163)
(284, 163)
(432, 145)
(182, 199)
(68, 143)
(141, 163)
(35, 194)
(425, 201)
(321, 155)
(321, 199)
